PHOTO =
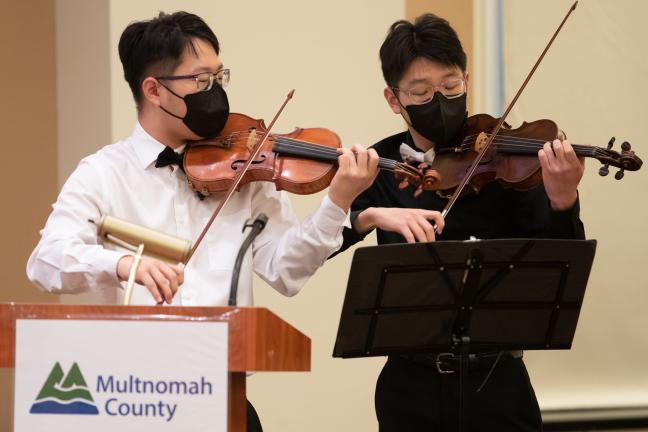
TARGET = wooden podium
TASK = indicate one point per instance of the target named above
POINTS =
(258, 339)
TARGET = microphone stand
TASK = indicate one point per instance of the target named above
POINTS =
(257, 226)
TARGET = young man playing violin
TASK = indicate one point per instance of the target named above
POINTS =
(178, 81)
(424, 66)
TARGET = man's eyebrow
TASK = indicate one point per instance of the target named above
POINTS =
(207, 69)
(426, 80)
(418, 81)
(452, 73)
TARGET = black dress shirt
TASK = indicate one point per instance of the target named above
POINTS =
(495, 212)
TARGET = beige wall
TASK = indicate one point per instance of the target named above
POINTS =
(83, 66)
(29, 168)
(593, 84)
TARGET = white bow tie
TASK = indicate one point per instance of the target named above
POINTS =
(409, 155)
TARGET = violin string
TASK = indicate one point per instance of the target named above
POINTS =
(520, 140)
(503, 143)
(317, 150)
(322, 151)
(468, 141)
(530, 143)
(327, 152)
(512, 144)
(513, 147)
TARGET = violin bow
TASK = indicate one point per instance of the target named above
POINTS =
(237, 180)
(492, 136)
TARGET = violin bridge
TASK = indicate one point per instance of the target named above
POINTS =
(481, 141)
(252, 140)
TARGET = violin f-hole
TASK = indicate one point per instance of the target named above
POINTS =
(236, 163)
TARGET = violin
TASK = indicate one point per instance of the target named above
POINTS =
(512, 158)
(301, 162)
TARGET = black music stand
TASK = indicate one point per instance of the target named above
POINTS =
(464, 297)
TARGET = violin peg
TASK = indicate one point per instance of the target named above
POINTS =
(625, 146)
(604, 170)
(611, 143)
(619, 175)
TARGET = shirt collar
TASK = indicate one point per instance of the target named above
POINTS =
(146, 147)
(410, 141)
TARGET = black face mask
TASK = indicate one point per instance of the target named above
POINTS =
(207, 111)
(439, 120)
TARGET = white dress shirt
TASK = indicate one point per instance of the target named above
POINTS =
(121, 180)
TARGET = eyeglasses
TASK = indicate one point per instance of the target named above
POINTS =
(204, 80)
(451, 88)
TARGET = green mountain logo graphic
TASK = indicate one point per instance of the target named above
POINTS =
(67, 394)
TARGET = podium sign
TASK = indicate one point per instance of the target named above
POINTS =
(80, 375)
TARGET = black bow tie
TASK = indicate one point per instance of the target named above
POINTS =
(169, 157)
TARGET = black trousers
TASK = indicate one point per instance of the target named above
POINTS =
(414, 397)
(253, 422)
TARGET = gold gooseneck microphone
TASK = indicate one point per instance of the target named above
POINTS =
(142, 241)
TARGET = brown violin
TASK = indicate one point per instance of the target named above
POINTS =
(302, 161)
(512, 158)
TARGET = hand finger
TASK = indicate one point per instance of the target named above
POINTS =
(403, 184)
(151, 286)
(427, 228)
(163, 284)
(361, 157)
(559, 151)
(344, 159)
(374, 160)
(570, 152)
(437, 218)
(179, 269)
(546, 156)
(171, 276)
(407, 234)
(418, 232)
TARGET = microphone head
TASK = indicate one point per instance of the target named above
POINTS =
(262, 219)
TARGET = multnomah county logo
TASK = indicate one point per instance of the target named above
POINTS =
(67, 394)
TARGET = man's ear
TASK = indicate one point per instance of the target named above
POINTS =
(392, 100)
(150, 91)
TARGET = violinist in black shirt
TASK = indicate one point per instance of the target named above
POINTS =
(424, 66)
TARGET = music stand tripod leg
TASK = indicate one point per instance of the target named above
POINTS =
(469, 290)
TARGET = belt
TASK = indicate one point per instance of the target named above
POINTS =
(449, 363)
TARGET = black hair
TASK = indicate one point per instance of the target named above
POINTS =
(429, 36)
(156, 46)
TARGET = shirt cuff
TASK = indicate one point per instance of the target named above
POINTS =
(352, 217)
(566, 222)
(329, 218)
(106, 267)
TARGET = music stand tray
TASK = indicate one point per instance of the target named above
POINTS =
(521, 294)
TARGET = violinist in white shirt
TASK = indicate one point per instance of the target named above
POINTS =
(178, 81)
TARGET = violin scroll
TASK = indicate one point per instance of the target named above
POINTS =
(626, 160)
